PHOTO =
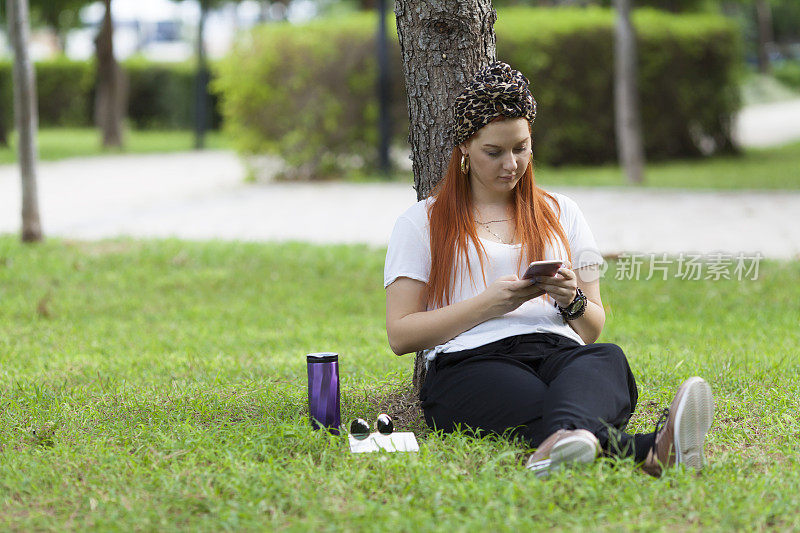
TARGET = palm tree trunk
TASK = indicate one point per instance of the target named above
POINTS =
(443, 43)
(26, 117)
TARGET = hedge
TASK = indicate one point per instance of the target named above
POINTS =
(688, 80)
(307, 93)
(788, 73)
(160, 95)
(63, 89)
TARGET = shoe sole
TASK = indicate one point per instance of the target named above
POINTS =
(567, 451)
(693, 419)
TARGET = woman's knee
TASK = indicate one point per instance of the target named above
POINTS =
(619, 360)
(612, 352)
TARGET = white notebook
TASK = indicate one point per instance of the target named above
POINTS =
(394, 442)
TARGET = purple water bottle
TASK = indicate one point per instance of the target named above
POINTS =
(323, 390)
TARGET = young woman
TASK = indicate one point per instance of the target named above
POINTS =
(517, 356)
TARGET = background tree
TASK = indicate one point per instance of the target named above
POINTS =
(443, 44)
(3, 133)
(25, 116)
(202, 77)
(384, 91)
(202, 98)
(111, 90)
(765, 35)
(786, 20)
(110, 97)
(3, 128)
(628, 124)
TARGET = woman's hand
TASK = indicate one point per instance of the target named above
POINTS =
(562, 287)
(507, 293)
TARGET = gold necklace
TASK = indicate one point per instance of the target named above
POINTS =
(486, 225)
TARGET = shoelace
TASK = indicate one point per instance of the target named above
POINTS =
(662, 420)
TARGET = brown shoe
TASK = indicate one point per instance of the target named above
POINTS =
(681, 429)
(561, 448)
(543, 451)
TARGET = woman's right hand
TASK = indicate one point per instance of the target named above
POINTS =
(507, 293)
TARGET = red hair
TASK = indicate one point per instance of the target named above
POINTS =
(451, 223)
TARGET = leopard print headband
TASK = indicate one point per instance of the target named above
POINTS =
(496, 90)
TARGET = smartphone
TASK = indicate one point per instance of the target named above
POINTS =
(542, 268)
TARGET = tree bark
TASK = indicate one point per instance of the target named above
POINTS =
(384, 93)
(764, 16)
(26, 116)
(3, 133)
(201, 82)
(626, 95)
(443, 44)
(109, 98)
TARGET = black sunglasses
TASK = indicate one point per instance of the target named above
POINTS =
(359, 428)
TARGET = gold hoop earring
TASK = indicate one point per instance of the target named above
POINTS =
(465, 163)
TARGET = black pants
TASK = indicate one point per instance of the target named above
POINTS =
(529, 386)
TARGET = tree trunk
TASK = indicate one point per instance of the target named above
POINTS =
(628, 122)
(443, 44)
(26, 117)
(764, 16)
(3, 133)
(384, 93)
(201, 83)
(263, 11)
(109, 98)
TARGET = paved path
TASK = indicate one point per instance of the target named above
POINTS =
(202, 196)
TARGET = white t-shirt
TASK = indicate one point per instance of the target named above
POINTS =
(409, 256)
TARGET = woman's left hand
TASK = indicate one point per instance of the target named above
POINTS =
(562, 287)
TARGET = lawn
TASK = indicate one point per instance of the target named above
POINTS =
(61, 143)
(160, 385)
(770, 168)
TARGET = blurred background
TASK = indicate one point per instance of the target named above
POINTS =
(166, 30)
(292, 85)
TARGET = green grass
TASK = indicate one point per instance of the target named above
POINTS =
(771, 168)
(61, 143)
(165, 383)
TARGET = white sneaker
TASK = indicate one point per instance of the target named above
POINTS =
(564, 447)
(681, 431)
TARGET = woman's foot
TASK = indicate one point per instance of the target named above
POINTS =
(564, 447)
(681, 430)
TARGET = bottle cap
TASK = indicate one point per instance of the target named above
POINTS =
(322, 357)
